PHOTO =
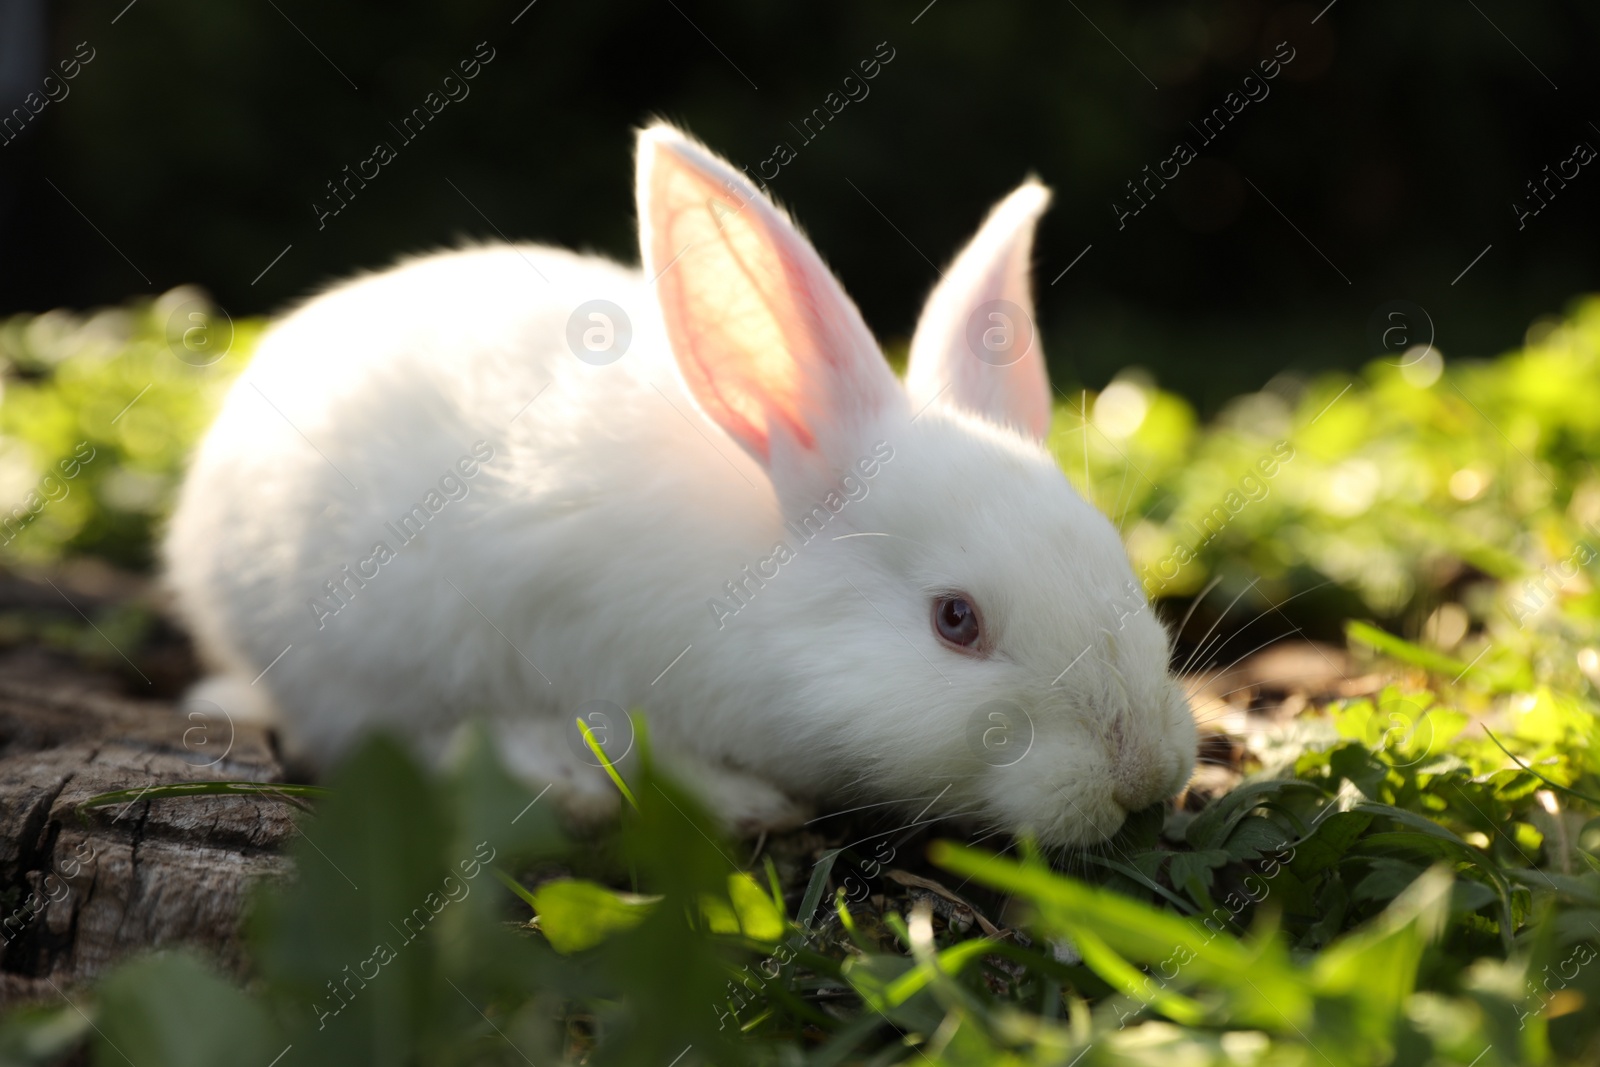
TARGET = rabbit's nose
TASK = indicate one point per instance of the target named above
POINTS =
(1141, 772)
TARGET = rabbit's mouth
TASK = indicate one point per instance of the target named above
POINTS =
(1146, 770)
(1066, 814)
(1084, 831)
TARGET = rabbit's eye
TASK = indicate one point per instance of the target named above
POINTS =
(956, 620)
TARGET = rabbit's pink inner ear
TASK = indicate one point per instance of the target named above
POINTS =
(987, 294)
(723, 295)
(766, 339)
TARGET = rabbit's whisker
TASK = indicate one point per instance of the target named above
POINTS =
(910, 826)
(1195, 603)
(875, 533)
(1207, 638)
(862, 807)
(1237, 689)
(986, 836)
(1259, 616)
(1241, 658)
(1122, 515)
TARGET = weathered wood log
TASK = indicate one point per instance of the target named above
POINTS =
(77, 893)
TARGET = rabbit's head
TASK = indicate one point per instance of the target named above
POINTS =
(961, 631)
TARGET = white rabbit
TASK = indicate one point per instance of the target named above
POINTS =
(707, 498)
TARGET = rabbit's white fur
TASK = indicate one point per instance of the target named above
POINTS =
(585, 556)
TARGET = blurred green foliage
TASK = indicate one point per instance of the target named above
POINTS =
(1407, 486)
(132, 387)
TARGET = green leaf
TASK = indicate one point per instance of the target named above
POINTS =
(1584, 888)
(271, 790)
(1424, 848)
(1357, 765)
(1210, 828)
(1417, 822)
(1201, 865)
(1114, 932)
(818, 885)
(1329, 842)
(748, 911)
(1254, 837)
(171, 1009)
(1377, 964)
(350, 948)
(1387, 879)
(1141, 830)
(36, 1036)
(1578, 924)
(576, 915)
(1404, 651)
(1468, 895)
(1557, 786)
(1137, 880)
(518, 822)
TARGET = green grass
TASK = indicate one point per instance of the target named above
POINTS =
(134, 387)
(1410, 876)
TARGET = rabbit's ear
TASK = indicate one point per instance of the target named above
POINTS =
(977, 344)
(771, 348)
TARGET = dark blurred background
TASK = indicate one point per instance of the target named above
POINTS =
(1386, 157)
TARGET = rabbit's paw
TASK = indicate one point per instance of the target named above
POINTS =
(539, 752)
(746, 805)
(590, 809)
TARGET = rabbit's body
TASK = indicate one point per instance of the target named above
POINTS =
(746, 550)
(603, 494)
